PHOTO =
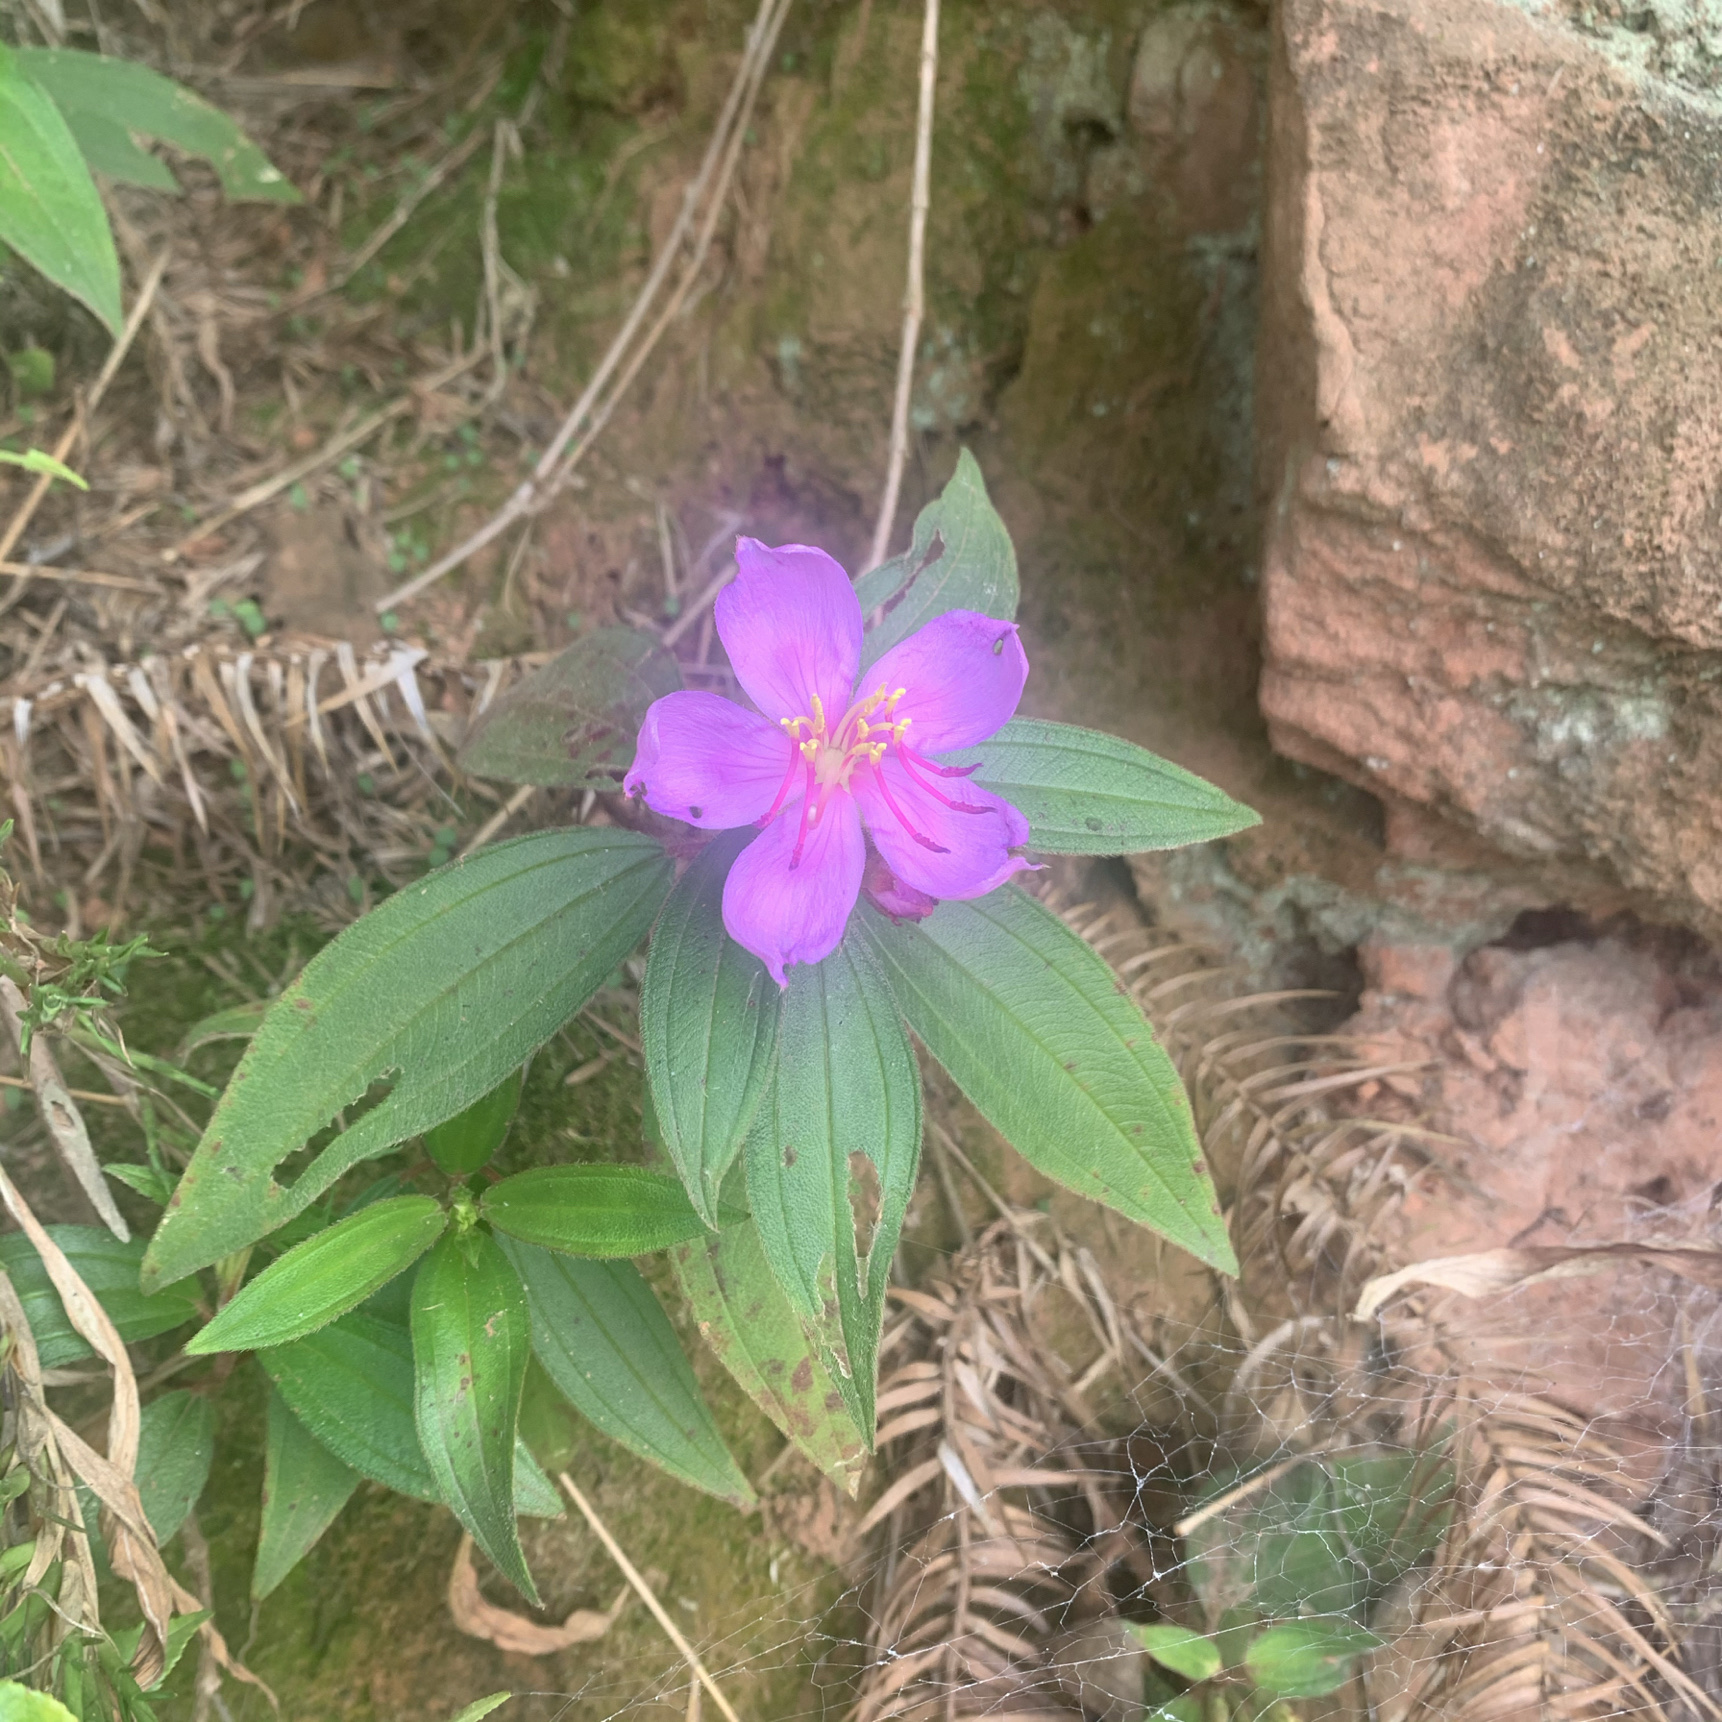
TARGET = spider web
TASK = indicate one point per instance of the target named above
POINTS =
(1082, 1433)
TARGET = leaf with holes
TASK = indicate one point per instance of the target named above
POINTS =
(467, 1142)
(471, 1339)
(50, 211)
(961, 558)
(604, 1339)
(304, 1487)
(325, 1276)
(444, 990)
(1084, 793)
(573, 722)
(708, 1024)
(176, 1445)
(831, 1160)
(592, 1210)
(756, 1336)
(1041, 1035)
(110, 1269)
(105, 100)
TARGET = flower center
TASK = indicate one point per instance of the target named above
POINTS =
(828, 758)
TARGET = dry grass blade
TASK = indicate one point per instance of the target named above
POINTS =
(60, 1113)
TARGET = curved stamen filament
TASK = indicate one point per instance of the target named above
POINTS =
(910, 760)
(902, 819)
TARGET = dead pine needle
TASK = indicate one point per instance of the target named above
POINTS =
(646, 1595)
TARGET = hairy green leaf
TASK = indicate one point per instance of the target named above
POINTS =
(1085, 793)
(104, 100)
(471, 1340)
(447, 987)
(325, 1276)
(50, 211)
(831, 1160)
(604, 1339)
(351, 1385)
(592, 1210)
(304, 1487)
(748, 1323)
(1177, 1648)
(176, 1445)
(465, 1143)
(1040, 1034)
(110, 1269)
(961, 558)
(479, 1708)
(708, 1024)
(574, 721)
(1308, 1658)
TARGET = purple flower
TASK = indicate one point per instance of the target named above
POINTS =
(831, 754)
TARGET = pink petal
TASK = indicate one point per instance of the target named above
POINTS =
(708, 761)
(796, 915)
(976, 846)
(791, 624)
(962, 676)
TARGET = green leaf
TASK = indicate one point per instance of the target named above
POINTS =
(1177, 1648)
(1308, 1658)
(325, 1276)
(50, 211)
(1040, 1034)
(1085, 793)
(176, 1445)
(447, 987)
(708, 1025)
(1329, 1536)
(351, 1385)
(604, 1340)
(304, 1487)
(20, 1704)
(110, 1269)
(573, 722)
(34, 460)
(592, 1210)
(237, 1022)
(535, 1496)
(103, 99)
(181, 1630)
(748, 1323)
(479, 1708)
(961, 558)
(471, 1340)
(465, 1144)
(831, 1160)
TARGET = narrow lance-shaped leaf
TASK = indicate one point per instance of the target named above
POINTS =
(467, 1142)
(443, 990)
(708, 1025)
(104, 99)
(471, 1340)
(1085, 793)
(351, 1385)
(604, 1340)
(50, 211)
(325, 1276)
(592, 1210)
(961, 558)
(573, 721)
(176, 1445)
(1040, 1034)
(831, 1160)
(304, 1487)
(748, 1323)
